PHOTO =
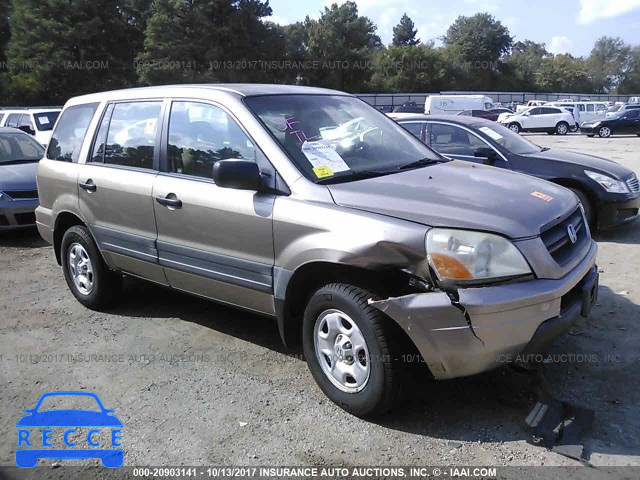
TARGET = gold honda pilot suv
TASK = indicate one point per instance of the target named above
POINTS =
(310, 206)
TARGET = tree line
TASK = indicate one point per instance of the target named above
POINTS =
(51, 50)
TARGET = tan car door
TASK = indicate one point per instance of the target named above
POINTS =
(212, 241)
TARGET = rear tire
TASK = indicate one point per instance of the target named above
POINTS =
(88, 277)
(562, 128)
(591, 135)
(348, 347)
(588, 207)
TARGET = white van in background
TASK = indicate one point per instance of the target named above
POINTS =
(587, 111)
(454, 104)
(38, 122)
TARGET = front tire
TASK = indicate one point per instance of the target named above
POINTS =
(87, 276)
(514, 127)
(604, 132)
(347, 345)
(588, 207)
(562, 128)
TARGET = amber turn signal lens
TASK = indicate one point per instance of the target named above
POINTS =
(449, 267)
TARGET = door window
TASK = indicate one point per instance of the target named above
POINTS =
(415, 128)
(13, 120)
(632, 114)
(453, 140)
(535, 111)
(591, 107)
(131, 135)
(601, 107)
(69, 133)
(200, 134)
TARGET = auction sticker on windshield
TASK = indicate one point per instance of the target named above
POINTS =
(322, 155)
(492, 133)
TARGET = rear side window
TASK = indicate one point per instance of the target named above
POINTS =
(69, 133)
(131, 136)
(632, 114)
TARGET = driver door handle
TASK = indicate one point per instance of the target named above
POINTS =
(169, 202)
(88, 186)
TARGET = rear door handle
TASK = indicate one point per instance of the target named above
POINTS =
(89, 186)
(169, 201)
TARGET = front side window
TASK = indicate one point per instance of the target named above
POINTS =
(535, 111)
(200, 134)
(601, 107)
(337, 137)
(69, 133)
(131, 136)
(453, 140)
(509, 140)
(414, 127)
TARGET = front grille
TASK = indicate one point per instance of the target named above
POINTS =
(558, 241)
(633, 183)
(25, 218)
(19, 194)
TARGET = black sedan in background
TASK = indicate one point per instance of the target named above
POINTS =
(609, 192)
(625, 122)
(491, 114)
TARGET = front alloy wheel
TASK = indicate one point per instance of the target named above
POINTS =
(604, 132)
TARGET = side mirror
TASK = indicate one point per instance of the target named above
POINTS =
(488, 153)
(238, 174)
(27, 129)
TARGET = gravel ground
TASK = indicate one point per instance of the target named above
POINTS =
(196, 383)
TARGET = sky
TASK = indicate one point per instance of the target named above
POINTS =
(565, 26)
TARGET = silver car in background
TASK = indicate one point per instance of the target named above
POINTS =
(309, 206)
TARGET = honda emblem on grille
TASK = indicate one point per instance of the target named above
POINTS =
(571, 231)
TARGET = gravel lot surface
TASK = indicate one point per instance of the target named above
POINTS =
(196, 383)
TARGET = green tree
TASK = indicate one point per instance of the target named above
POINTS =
(408, 68)
(343, 42)
(5, 34)
(62, 48)
(564, 73)
(208, 40)
(476, 45)
(522, 66)
(405, 32)
(608, 62)
(630, 82)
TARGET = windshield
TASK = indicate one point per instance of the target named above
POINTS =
(615, 108)
(509, 140)
(331, 137)
(46, 120)
(18, 148)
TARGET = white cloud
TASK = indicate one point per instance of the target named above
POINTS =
(277, 19)
(560, 44)
(592, 10)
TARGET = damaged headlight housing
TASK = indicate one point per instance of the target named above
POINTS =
(609, 184)
(469, 256)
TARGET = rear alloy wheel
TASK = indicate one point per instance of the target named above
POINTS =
(514, 127)
(347, 345)
(562, 128)
(88, 277)
(604, 132)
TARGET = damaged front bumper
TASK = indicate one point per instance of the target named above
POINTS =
(490, 326)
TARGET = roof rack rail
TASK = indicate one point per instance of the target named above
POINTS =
(35, 107)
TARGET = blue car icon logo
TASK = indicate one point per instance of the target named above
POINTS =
(53, 433)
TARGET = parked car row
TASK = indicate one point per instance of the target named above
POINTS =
(37, 121)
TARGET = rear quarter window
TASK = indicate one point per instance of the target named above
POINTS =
(70, 131)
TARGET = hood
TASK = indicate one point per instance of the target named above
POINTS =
(589, 162)
(463, 195)
(21, 176)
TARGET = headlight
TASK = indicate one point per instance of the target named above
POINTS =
(609, 184)
(595, 124)
(457, 255)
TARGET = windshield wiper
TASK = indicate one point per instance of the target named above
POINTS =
(423, 162)
(355, 175)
